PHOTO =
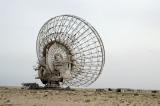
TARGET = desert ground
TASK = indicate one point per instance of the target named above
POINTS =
(13, 96)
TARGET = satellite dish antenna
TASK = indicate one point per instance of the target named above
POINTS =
(70, 52)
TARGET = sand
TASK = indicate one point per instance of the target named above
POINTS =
(11, 96)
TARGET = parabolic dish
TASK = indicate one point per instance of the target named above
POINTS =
(75, 38)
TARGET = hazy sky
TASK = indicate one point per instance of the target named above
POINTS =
(130, 30)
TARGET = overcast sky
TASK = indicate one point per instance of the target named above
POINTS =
(130, 30)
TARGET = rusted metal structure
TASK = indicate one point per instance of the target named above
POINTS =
(70, 52)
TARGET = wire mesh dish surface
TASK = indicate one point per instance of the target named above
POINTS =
(76, 42)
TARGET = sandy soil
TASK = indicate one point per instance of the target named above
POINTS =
(19, 97)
